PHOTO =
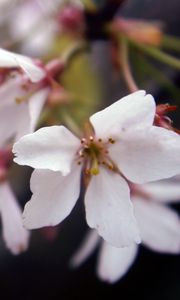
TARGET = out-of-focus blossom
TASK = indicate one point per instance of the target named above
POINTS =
(38, 31)
(6, 8)
(14, 234)
(25, 87)
(37, 34)
(159, 228)
(120, 144)
(15, 120)
(13, 60)
(20, 100)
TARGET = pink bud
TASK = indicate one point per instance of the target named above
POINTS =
(71, 19)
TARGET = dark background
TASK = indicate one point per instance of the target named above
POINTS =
(43, 271)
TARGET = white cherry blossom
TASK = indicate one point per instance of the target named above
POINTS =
(159, 227)
(20, 103)
(123, 146)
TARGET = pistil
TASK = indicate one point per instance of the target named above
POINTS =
(94, 170)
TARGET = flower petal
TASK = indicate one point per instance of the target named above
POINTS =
(10, 90)
(19, 123)
(134, 110)
(10, 59)
(23, 115)
(109, 209)
(114, 263)
(159, 226)
(87, 247)
(165, 191)
(147, 155)
(15, 235)
(51, 148)
(36, 103)
(54, 196)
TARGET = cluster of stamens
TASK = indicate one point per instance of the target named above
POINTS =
(93, 153)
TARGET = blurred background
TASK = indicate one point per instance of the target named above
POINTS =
(43, 272)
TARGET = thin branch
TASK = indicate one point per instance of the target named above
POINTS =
(126, 70)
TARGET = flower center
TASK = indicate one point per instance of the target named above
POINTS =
(93, 153)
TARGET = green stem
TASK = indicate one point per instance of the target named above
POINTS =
(148, 70)
(159, 55)
(71, 51)
(171, 43)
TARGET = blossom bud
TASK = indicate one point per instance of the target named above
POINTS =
(71, 19)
